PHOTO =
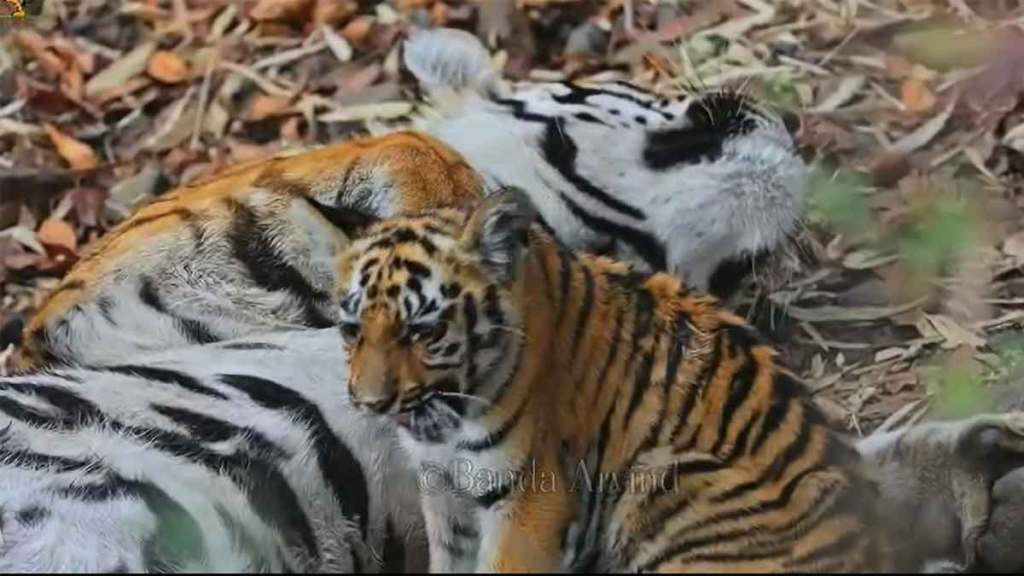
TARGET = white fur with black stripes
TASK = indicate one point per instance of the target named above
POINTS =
(100, 470)
(693, 185)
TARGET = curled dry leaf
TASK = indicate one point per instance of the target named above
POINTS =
(167, 67)
(57, 235)
(263, 106)
(281, 10)
(78, 155)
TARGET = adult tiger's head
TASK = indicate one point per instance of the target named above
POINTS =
(430, 309)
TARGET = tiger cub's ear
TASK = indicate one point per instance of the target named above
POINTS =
(349, 220)
(496, 232)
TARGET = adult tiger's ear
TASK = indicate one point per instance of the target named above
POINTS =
(351, 221)
(496, 232)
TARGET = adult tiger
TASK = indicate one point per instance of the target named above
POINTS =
(694, 184)
(536, 386)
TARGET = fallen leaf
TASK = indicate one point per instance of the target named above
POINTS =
(120, 71)
(916, 96)
(281, 10)
(924, 133)
(845, 92)
(167, 67)
(954, 334)
(33, 43)
(262, 106)
(78, 155)
(57, 234)
(332, 12)
(358, 29)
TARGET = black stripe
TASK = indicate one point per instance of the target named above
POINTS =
(204, 428)
(739, 390)
(251, 346)
(585, 308)
(692, 391)
(645, 245)
(500, 492)
(341, 469)
(778, 466)
(643, 324)
(37, 461)
(105, 304)
(252, 244)
(561, 153)
(492, 306)
(149, 295)
(74, 410)
(495, 437)
(469, 314)
(178, 541)
(641, 383)
(714, 120)
(564, 282)
(348, 219)
(166, 376)
(777, 413)
(578, 95)
(195, 332)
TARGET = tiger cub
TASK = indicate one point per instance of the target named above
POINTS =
(246, 251)
(588, 416)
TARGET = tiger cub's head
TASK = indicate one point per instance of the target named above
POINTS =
(428, 310)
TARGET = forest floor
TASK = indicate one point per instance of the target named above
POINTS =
(903, 292)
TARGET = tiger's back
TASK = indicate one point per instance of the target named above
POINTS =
(244, 251)
(491, 344)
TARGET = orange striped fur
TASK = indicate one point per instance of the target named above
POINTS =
(498, 350)
(179, 246)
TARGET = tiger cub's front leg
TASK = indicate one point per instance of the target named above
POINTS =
(523, 523)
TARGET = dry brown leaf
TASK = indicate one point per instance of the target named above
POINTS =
(281, 10)
(332, 12)
(357, 30)
(916, 96)
(167, 67)
(57, 234)
(78, 155)
(33, 43)
(262, 106)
